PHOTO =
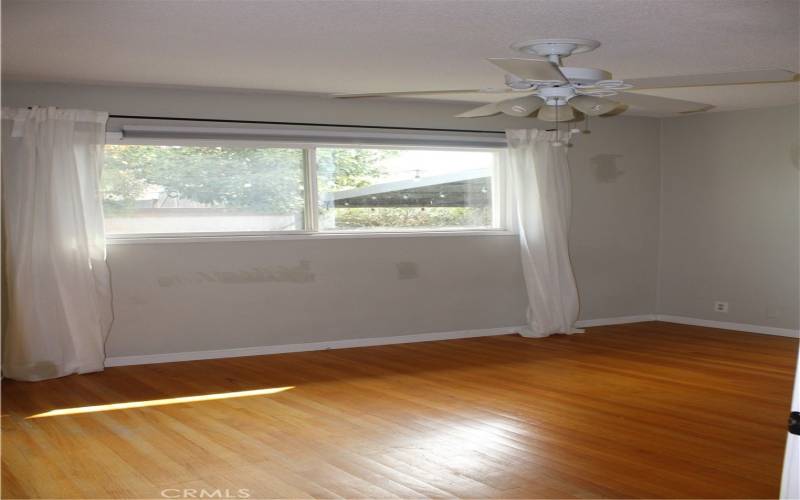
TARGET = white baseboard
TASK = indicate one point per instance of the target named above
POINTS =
(683, 320)
(311, 346)
(621, 320)
(724, 325)
(427, 337)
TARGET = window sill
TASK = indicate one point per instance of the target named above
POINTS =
(135, 239)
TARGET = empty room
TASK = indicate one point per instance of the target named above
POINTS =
(400, 249)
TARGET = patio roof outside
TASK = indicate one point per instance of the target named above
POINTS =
(458, 189)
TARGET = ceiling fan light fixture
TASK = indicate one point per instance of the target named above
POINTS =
(591, 105)
(521, 106)
(560, 113)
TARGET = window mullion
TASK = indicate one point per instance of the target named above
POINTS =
(311, 194)
(499, 184)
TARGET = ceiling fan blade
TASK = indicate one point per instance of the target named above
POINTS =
(662, 105)
(520, 106)
(731, 78)
(419, 92)
(621, 108)
(530, 69)
(592, 106)
(561, 113)
(485, 110)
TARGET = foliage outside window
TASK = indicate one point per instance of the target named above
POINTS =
(162, 189)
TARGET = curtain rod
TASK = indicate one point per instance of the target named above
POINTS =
(257, 122)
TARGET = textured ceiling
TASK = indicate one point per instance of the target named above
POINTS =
(384, 45)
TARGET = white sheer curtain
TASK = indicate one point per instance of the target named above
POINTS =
(58, 284)
(539, 186)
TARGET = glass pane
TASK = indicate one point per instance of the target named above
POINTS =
(383, 189)
(191, 189)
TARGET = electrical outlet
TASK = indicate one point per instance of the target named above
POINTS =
(721, 307)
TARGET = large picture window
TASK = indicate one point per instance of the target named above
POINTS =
(164, 189)
(201, 189)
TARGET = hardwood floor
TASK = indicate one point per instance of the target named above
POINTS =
(645, 410)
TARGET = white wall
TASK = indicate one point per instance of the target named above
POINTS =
(464, 282)
(730, 216)
(615, 222)
(337, 289)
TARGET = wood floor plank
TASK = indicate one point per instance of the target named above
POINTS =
(648, 410)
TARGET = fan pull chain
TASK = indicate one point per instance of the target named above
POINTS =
(557, 142)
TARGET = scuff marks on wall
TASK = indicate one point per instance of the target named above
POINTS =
(407, 270)
(300, 273)
(607, 168)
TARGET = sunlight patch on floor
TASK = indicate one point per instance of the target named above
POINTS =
(159, 402)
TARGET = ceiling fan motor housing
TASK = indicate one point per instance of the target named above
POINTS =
(557, 96)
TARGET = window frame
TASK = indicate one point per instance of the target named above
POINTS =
(311, 228)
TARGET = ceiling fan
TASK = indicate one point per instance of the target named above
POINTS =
(545, 89)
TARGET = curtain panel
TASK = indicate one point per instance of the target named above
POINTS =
(59, 299)
(539, 185)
